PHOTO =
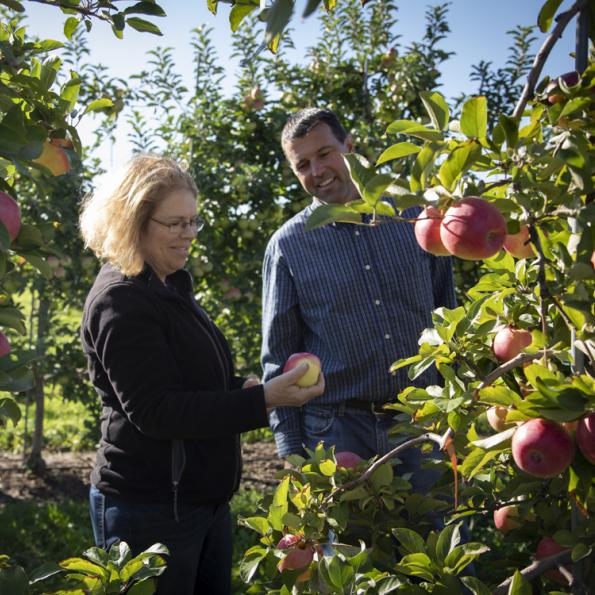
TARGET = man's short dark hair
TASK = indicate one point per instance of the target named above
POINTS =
(300, 123)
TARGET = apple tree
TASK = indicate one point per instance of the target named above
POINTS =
(515, 414)
(42, 102)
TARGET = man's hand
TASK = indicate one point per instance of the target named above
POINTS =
(282, 391)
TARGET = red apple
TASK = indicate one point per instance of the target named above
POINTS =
(287, 541)
(54, 158)
(311, 376)
(296, 558)
(548, 547)
(347, 459)
(497, 417)
(427, 231)
(585, 436)
(59, 272)
(4, 345)
(542, 448)
(507, 518)
(473, 229)
(519, 244)
(10, 215)
(53, 262)
(509, 342)
(570, 79)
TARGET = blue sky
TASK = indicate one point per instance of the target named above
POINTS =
(478, 32)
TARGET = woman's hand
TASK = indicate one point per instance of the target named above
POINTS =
(282, 391)
(251, 381)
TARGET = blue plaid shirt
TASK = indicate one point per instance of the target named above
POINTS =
(356, 296)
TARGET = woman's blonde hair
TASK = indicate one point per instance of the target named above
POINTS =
(114, 216)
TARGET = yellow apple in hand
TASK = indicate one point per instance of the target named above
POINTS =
(311, 376)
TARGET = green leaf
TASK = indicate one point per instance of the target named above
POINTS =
(9, 410)
(359, 170)
(510, 126)
(239, 12)
(398, 151)
(437, 109)
(422, 166)
(257, 523)
(279, 15)
(546, 14)
(250, 562)
(150, 8)
(414, 129)
(325, 214)
(311, 6)
(519, 586)
(476, 460)
(279, 506)
(580, 551)
(144, 587)
(70, 26)
(327, 467)
(383, 476)
(498, 395)
(14, 5)
(99, 104)
(12, 318)
(448, 539)
(39, 262)
(13, 580)
(458, 162)
(495, 440)
(411, 541)
(475, 586)
(376, 187)
(416, 565)
(474, 118)
(143, 25)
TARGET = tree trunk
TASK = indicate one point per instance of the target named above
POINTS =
(35, 460)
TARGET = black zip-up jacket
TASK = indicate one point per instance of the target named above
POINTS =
(172, 407)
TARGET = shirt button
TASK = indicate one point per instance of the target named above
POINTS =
(367, 267)
(377, 302)
(356, 232)
(387, 336)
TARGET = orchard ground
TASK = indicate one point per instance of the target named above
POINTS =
(67, 474)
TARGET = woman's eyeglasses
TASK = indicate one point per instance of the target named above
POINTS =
(196, 224)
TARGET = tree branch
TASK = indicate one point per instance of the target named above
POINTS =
(544, 51)
(427, 437)
(515, 362)
(535, 569)
(80, 9)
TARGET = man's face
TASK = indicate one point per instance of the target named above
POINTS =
(316, 160)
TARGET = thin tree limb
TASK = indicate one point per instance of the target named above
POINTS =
(544, 51)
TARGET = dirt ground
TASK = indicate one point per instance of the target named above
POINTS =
(67, 474)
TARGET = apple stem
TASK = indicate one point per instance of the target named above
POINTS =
(544, 51)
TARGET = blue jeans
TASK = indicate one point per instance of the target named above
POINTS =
(199, 544)
(366, 434)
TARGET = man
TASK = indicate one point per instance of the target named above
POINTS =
(358, 297)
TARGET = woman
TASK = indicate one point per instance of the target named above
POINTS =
(169, 458)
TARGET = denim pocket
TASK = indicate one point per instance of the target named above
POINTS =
(317, 421)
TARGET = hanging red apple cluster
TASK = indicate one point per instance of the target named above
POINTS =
(472, 229)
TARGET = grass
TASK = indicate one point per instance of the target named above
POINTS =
(67, 427)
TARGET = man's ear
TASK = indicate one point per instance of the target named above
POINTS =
(349, 143)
